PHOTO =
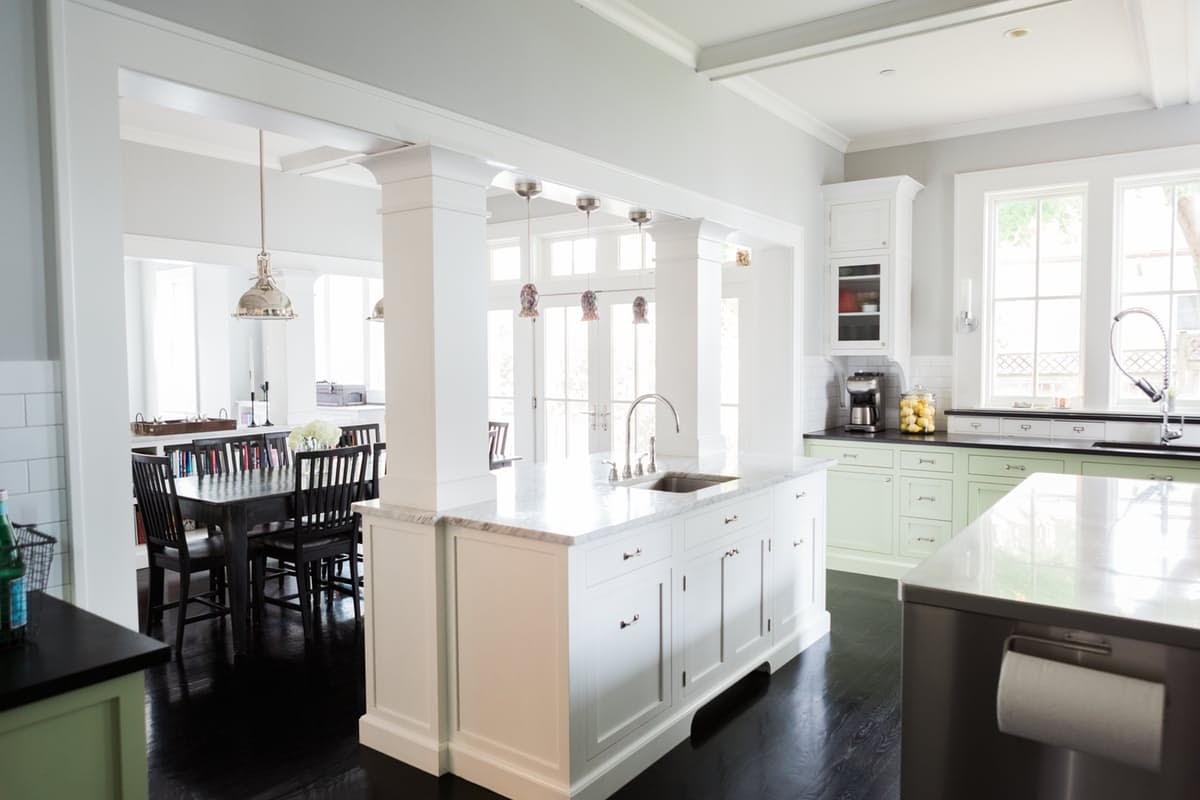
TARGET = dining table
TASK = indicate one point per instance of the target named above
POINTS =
(236, 502)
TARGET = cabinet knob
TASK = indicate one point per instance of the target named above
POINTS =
(884, 243)
(801, 494)
(731, 552)
(634, 554)
(631, 622)
(730, 519)
(797, 542)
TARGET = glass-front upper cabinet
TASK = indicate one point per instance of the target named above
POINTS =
(862, 302)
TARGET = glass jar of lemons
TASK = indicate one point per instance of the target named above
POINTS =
(918, 409)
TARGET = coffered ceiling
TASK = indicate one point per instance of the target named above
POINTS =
(860, 74)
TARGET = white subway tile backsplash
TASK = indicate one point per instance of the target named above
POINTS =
(14, 476)
(31, 377)
(823, 391)
(12, 411)
(43, 409)
(46, 474)
(36, 508)
(23, 444)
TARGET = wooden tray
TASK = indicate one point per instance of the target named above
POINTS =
(173, 426)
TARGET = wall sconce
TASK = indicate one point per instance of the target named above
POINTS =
(965, 319)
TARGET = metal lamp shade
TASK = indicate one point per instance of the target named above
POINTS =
(377, 312)
(264, 300)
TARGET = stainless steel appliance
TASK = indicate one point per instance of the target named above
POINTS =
(866, 401)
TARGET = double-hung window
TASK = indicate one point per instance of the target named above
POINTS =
(1035, 269)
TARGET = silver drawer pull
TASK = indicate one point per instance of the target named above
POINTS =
(1026, 427)
(1079, 428)
(797, 542)
(926, 461)
(731, 552)
(634, 554)
(1162, 477)
(801, 494)
(849, 455)
(927, 499)
(734, 518)
(631, 622)
(929, 539)
(1017, 467)
(976, 425)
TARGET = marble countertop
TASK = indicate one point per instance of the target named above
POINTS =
(1114, 556)
(572, 502)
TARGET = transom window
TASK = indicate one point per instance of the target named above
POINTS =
(1036, 260)
(573, 257)
(629, 251)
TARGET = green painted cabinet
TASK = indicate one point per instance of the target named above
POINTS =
(861, 510)
(982, 495)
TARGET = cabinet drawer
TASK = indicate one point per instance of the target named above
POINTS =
(726, 518)
(920, 537)
(926, 461)
(1025, 427)
(930, 498)
(982, 426)
(1150, 471)
(1076, 429)
(1014, 466)
(851, 455)
(623, 556)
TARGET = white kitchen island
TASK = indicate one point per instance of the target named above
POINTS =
(555, 642)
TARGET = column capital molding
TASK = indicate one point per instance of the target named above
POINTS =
(429, 161)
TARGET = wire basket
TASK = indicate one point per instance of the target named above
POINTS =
(37, 551)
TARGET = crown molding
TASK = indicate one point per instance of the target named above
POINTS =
(785, 109)
(631, 19)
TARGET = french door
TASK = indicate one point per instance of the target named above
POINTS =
(588, 374)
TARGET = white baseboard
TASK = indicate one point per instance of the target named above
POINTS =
(866, 564)
(392, 740)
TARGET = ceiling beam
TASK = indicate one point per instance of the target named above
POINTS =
(317, 159)
(1165, 39)
(861, 28)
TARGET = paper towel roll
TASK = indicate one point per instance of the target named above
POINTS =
(1095, 712)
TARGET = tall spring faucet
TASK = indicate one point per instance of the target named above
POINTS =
(627, 472)
(1162, 395)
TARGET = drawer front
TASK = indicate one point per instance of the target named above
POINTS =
(1014, 466)
(1150, 471)
(626, 554)
(717, 521)
(852, 455)
(922, 461)
(1025, 427)
(920, 537)
(978, 425)
(1076, 429)
(930, 498)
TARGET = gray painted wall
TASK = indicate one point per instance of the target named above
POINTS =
(28, 322)
(936, 163)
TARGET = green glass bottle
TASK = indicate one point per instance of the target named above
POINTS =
(12, 580)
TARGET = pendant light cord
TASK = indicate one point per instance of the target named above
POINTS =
(262, 203)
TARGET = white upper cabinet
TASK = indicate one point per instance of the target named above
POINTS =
(868, 250)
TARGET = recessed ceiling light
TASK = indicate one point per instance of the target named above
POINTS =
(1016, 33)
(887, 73)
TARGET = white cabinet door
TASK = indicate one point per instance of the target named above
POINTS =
(744, 617)
(700, 600)
(799, 512)
(860, 226)
(628, 671)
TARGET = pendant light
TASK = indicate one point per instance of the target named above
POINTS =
(376, 312)
(587, 301)
(528, 188)
(264, 300)
(640, 216)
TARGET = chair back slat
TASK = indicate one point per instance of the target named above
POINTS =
(328, 482)
(498, 436)
(154, 488)
(355, 435)
(277, 452)
(378, 468)
(222, 456)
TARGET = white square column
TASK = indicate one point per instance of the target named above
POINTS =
(434, 213)
(687, 296)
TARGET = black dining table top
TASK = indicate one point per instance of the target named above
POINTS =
(254, 484)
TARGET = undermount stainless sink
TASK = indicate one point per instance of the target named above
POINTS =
(683, 482)
(1147, 446)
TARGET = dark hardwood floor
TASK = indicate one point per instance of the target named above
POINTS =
(284, 724)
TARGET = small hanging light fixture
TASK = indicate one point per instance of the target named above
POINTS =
(264, 300)
(641, 217)
(376, 312)
(528, 188)
(587, 301)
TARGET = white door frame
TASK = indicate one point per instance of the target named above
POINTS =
(91, 42)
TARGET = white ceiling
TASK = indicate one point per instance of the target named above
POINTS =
(817, 63)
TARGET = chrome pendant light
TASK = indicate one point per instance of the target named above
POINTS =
(587, 301)
(377, 312)
(529, 189)
(640, 216)
(264, 300)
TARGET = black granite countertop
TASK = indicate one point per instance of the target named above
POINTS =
(946, 439)
(73, 649)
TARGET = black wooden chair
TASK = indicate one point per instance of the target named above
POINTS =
(278, 454)
(324, 526)
(221, 456)
(168, 548)
(355, 435)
